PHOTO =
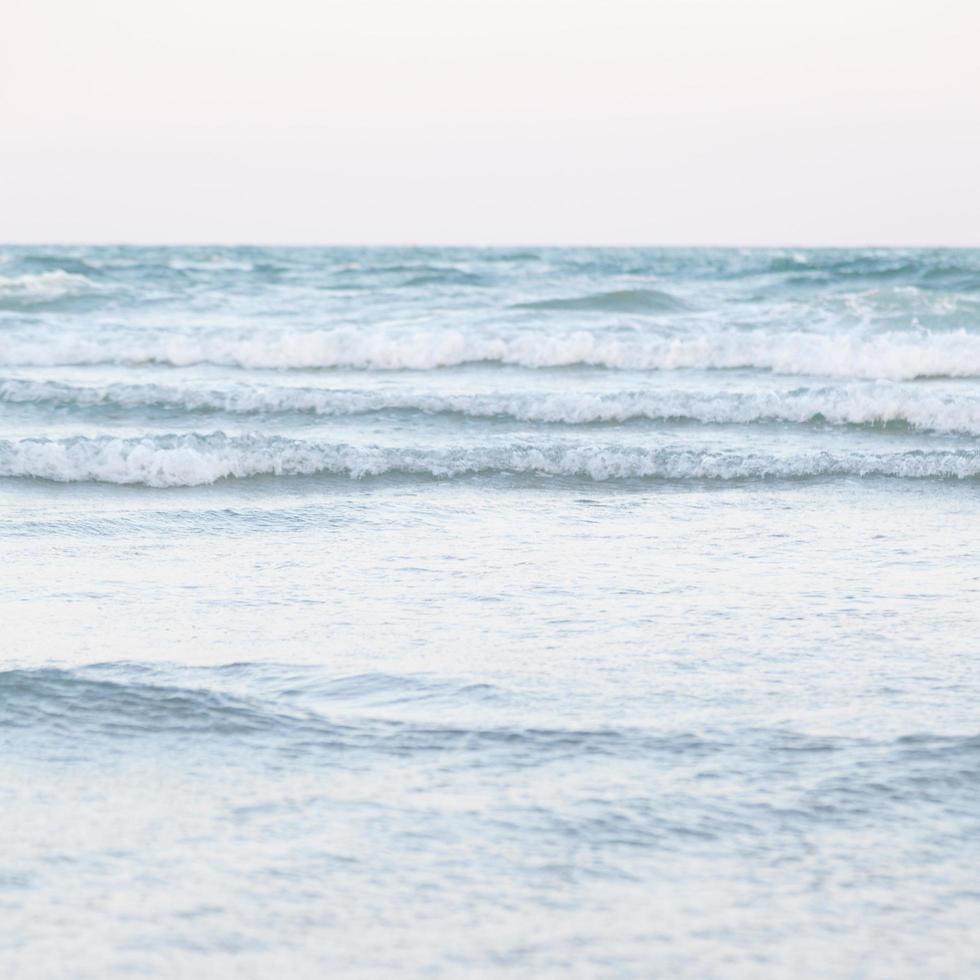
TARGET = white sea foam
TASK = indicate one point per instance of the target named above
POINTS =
(868, 404)
(895, 355)
(192, 460)
(43, 285)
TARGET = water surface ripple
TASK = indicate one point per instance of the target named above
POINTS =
(489, 612)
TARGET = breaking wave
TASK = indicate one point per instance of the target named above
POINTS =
(194, 460)
(42, 287)
(864, 404)
(894, 355)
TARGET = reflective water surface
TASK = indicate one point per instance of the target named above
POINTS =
(489, 613)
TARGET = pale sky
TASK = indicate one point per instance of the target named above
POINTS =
(490, 121)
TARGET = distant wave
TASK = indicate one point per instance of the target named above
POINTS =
(923, 270)
(59, 263)
(863, 268)
(617, 301)
(864, 404)
(215, 263)
(39, 287)
(895, 355)
(194, 460)
(446, 277)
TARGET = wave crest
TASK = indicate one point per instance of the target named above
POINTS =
(615, 301)
(194, 460)
(41, 287)
(894, 355)
(863, 404)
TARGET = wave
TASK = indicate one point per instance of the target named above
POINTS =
(216, 263)
(447, 277)
(925, 270)
(617, 301)
(195, 460)
(873, 405)
(894, 355)
(121, 708)
(40, 287)
(278, 706)
(59, 263)
(126, 701)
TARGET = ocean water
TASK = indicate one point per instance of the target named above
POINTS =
(489, 612)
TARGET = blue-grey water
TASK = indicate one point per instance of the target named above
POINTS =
(487, 612)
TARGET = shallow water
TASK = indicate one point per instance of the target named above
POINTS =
(489, 613)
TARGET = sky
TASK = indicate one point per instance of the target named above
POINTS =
(745, 122)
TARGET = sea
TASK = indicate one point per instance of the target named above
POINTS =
(489, 612)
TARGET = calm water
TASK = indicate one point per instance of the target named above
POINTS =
(531, 613)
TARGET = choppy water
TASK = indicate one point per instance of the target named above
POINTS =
(460, 612)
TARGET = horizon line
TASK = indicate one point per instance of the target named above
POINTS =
(173, 243)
